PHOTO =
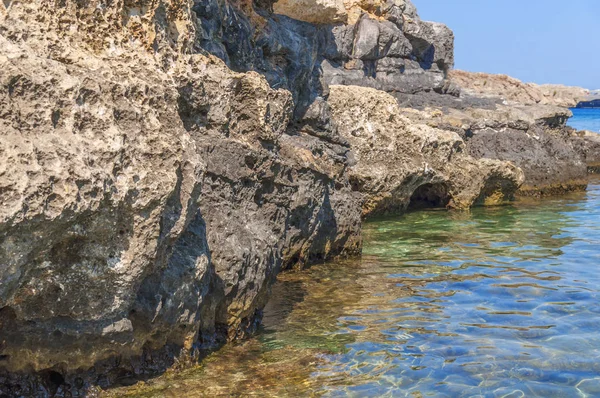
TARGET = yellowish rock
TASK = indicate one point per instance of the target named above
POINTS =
(313, 11)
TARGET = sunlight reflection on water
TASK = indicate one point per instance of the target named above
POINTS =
(496, 302)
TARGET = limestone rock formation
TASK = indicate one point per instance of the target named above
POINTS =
(400, 164)
(553, 157)
(329, 12)
(149, 195)
(533, 137)
(161, 162)
(514, 91)
(561, 95)
(313, 11)
(384, 45)
(587, 143)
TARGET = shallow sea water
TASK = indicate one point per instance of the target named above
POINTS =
(585, 119)
(495, 302)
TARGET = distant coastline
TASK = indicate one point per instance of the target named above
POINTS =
(589, 104)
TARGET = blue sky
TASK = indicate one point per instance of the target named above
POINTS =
(541, 41)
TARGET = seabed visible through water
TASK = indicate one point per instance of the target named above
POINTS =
(495, 302)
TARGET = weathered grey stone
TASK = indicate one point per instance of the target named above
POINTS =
(304, 58)
(432, 42)
(366, 44)
(550, 163)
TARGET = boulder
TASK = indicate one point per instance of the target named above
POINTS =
(401, 164)
(533, 137)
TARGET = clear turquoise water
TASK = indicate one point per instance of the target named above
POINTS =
(496, 302)
(585, 119)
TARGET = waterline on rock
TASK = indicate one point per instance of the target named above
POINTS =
(494, 301)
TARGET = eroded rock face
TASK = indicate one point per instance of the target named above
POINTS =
(148, 199)
(330, 12)
(313, 11)
(587, 143)
(401, 164)
(502, 118)
(533, 137)
(402, 55)
(550, 162)
(513, 90)
(160, 163)
(383, 45)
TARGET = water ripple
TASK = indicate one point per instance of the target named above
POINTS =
(496, 302)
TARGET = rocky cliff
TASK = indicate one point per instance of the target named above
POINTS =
(513, 90)
(161, 162)
(303, 46)
(149, 194)
(403, 164)
(558, 168)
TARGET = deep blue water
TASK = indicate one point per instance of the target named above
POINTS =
(586, 119)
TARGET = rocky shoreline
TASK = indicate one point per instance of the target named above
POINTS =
(161, 163)
(513, 90)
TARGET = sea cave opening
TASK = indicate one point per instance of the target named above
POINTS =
(430, 196)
